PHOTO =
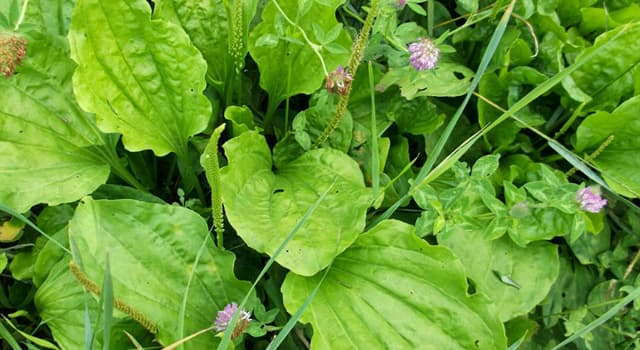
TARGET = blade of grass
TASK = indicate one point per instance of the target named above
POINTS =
(133, 340)
(24, 219)
(88, 329)
(107, 305)
(226, 339)
(600, 320)
(185, 297)
(11, 341)
(40, 342)
(435, 154)
(526, 100)
(284, 332)
(375, 153)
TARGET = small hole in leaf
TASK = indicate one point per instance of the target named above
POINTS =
(278, 190)
(477, 343)
(20, 131)
(458, 75)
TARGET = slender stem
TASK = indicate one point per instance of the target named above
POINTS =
(184, 340)
(23, 11)
(188, 173)
(356, 56)
(315, 47)
(375, 153)
(272, 106)
(430, 17)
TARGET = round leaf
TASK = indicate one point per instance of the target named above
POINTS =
(264, 206)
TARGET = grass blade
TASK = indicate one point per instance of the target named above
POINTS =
(185, 297)
(107, 305)
(602, 319)
(24, 219)
(11, 341)
(284, 332)
(40, 342)
(375, 154)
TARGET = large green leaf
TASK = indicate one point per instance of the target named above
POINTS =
(50, 151)
(152, 249)
(288, 65)
(264, 206)
(207, 23)
(619, 161)
(607, 77)
(143, 78)
(61, 304)
(515, 278)
(391, 290)
(52, 16)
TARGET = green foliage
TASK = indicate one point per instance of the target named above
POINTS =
(377, 293)
(149, 89)
(117, 228)
(288, 64)
(618, 159)
(47, 141)
(278, 200)
(392, 226)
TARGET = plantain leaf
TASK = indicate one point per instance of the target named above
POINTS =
(61, 304)
(263, 206)
(51, 151)
(171, 237)
(207, 23)
(143, 78)
(604, 88)
(515, 278)
(619, 160)
(392, 290)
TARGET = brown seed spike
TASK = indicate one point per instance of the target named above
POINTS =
(13, 50)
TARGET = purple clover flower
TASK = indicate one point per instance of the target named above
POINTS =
(401, 3)
(424, 54)
(224, 318)
(590, 200)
